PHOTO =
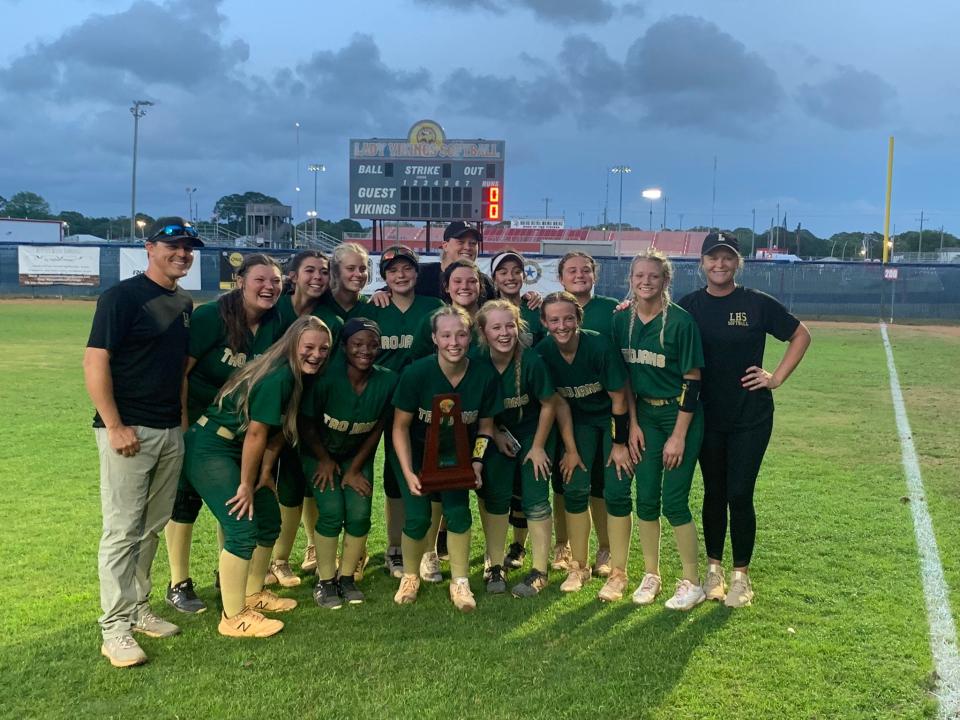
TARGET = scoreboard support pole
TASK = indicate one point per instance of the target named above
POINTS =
(427, 238)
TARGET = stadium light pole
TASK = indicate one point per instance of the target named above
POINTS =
(316, 169)
(652, 194)
(297, 188)
(190, 192)
(620, 170)
(137, 114)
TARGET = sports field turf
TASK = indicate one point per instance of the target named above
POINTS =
(838, 628)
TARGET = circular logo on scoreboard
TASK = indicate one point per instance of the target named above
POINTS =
(235, 259)
(427, 132)
(532, 272)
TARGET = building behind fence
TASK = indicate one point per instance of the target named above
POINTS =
(856, 290)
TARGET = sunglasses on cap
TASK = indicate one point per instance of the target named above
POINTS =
(177, 230)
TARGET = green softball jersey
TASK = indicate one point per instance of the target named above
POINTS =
(535, 329)
(324, 312)
(656, 371)
(398, 329)
(358, 310)
(535, 387)
(216, 360)
(423, 341)
(598, 314)
(596, 369)
(344, 419)
(479, 391)
(268, 402)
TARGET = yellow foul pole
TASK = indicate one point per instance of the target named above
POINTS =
(886, 214)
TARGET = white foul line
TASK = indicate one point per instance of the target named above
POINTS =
(943, 631)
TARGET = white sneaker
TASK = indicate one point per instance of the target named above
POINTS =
(430, 567)
(715, 587)
(648, 590)
(741, 591)
(461, 595)
(393, 561)
(687, 596)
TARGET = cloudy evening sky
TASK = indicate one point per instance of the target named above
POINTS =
(795, 100)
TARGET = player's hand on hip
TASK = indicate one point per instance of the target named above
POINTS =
(757, 378)
(123, 439)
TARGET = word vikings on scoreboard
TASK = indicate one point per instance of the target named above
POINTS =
(426, 176)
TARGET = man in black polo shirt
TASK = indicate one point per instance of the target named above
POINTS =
(133, 367)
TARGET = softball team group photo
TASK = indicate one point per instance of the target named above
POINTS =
(587, 417)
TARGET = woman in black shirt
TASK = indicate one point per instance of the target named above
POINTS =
(738, 405)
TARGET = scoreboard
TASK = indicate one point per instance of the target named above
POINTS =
(426, 176)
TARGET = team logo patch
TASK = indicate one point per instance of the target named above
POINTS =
(532, 272)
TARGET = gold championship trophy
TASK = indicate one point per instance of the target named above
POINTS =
(447, 460)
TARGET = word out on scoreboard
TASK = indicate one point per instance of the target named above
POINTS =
(426, 176)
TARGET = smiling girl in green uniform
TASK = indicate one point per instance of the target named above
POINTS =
(345, 422)
(449, 371)
(589, 374)
(660, 343)
(223, 335)
(577, 272)
(399, 321)
(310, 278)
(224, 452)
(530, 407)
(348, 277)
(462, 282)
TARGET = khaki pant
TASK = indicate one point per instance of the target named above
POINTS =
(136, 498)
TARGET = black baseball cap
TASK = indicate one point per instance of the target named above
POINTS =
(458, 228)
(355, 325)
(398, 252)
(719, 240)
(173, 230)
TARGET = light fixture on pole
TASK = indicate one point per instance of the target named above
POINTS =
(312, 214)
(652, 194)
(141, 224)
(620, 170)
(190, 192)
(316, 169)
(137, 114)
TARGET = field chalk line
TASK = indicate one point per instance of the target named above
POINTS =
(943, 631)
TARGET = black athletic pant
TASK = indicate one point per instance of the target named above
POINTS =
(730, 462)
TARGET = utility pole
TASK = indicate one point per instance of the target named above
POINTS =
(753, 231)
(581, 221)
(621, 170)
(664, 225)
(606, 199)
(137, 114)
(713, 202)
(920, 239)
(546, 207)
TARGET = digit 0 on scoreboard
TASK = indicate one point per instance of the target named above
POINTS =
(492, 206)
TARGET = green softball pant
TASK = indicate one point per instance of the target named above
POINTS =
(341, 508)
(501, 475)
(417, 511)
(593, 445)
(658, 488)
(212, 466)
(292, 485)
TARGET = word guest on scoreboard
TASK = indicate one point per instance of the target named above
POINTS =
(426, 176)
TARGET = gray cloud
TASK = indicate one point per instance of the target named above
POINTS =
(594, 76)
(686, 71)
(560, 12)
(505, 98)
(850, 99)
(633, 9)
(173, 43)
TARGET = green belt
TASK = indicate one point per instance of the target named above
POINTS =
(204, 421)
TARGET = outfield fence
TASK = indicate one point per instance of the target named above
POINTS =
(856, 290)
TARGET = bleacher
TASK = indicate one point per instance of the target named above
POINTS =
(627, 242)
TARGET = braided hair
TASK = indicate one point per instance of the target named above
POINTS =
(666, 270)
(514, 311)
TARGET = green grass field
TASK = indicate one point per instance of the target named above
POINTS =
(838, 628)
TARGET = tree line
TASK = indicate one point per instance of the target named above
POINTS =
(229, 212)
